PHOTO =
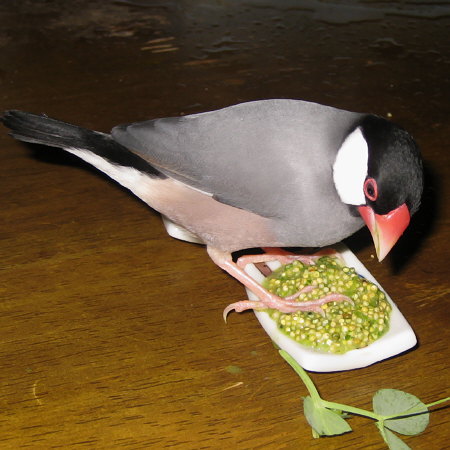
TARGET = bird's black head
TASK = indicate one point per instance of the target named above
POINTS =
(394, 172)
(378, 170)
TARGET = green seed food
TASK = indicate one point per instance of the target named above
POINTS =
(345, 326)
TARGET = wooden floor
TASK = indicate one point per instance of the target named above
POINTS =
(111, 331)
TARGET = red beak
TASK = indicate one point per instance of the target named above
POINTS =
(385, 229)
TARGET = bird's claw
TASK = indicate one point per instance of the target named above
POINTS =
(285, 305)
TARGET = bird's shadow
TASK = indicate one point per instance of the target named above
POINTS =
(59, 157)
(422, 224)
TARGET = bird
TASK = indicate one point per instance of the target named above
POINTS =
(270, 173)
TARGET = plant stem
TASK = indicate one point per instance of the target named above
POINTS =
(413, 412)
(315, 396)
(351, 410)
(437, 402)
(302, 374)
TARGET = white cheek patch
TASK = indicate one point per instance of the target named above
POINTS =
(350, 168)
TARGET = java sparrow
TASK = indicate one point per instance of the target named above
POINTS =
(269, 173)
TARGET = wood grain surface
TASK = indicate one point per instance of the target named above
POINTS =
(111, 331)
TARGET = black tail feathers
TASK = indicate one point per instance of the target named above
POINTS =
(43, 130)
(40, 129)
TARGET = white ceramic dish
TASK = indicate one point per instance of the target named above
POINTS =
(398, 339)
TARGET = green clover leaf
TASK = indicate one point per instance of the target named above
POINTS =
(393, 441)
(392, 410)
(413, 415)
(324, 421)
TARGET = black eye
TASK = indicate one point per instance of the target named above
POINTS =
(370, 189)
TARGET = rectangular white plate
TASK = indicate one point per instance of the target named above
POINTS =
(398, 339)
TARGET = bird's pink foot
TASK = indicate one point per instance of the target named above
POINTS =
(266, 298)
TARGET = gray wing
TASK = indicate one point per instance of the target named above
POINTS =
(267, 156)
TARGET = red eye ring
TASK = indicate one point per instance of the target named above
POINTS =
(371, 189)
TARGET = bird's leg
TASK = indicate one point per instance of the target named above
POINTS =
(225, 262)
(283, 256)
(266, 299)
